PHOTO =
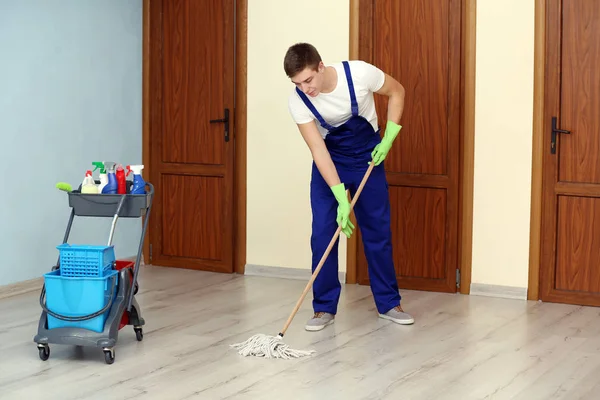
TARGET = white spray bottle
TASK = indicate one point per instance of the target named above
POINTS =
(103, 176)
(88, 186)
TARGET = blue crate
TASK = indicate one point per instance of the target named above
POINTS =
(79, 296)
(85, 260)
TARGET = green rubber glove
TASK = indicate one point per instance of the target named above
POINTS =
(382, 149)
(343, 211)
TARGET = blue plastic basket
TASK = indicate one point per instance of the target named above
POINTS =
(77, 297)
(84, 260)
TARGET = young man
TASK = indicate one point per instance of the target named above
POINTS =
(340, 98)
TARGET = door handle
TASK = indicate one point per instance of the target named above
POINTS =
(555, 130)
(224, 120)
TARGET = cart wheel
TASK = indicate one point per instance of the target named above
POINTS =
(44, 351)
(135, 289)
(139, 334)
(109, 356)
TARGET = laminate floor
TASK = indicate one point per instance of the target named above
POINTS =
(460, 347)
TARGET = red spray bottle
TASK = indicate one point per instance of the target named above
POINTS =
(121, 182)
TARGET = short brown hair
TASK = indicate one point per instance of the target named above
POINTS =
(300, 56)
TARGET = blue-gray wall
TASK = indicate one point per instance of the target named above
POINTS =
(70, 94)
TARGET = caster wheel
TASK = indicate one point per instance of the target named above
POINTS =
(109, 356)
(139, 334)
(44, 351)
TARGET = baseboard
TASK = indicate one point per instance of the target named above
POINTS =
(15, 289)
(284, 273)
(508, 292)
(32, 285)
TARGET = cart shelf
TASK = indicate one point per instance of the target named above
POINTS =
(104, 205)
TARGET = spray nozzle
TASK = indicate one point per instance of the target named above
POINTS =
(137, 169)
(110, 166)
(99, 164)
(128, 168)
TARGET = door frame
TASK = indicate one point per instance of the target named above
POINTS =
(537, 168)
(239, 126)
(467, 143)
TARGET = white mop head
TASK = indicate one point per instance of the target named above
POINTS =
(268, 347)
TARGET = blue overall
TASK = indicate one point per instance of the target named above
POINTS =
(350, 146)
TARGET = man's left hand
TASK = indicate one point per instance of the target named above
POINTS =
(383, 148)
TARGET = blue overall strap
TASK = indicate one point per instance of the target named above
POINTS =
(312, 108)
(351, 88)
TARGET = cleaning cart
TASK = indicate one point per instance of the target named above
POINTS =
(89, 295)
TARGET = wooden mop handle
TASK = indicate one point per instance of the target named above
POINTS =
(327, 251)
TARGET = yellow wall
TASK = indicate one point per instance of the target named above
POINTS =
(279, 216)
(278, 198)
(503, 130)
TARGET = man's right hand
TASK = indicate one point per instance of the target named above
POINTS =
(322, 158)
(343, 211)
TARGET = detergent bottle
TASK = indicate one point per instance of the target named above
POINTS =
(121, 182)
(111, 186)
(103, 176)
(88, 186)
(139, 185)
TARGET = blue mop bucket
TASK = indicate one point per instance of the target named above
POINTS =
(79, 302)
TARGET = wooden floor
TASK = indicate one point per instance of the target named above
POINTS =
(460, 347)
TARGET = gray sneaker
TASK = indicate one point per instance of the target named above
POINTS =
(319, 321)
(398, 316)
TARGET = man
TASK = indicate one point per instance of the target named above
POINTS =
(346, 140)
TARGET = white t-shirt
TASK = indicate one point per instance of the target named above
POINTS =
(335, 106)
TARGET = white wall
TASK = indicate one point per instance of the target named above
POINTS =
(278, 204)
(503, 130)
(279, 215)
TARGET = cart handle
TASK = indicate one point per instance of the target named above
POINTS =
(136, 268)
(115, 217)
(83, 317)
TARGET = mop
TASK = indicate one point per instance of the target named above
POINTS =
(261, 345)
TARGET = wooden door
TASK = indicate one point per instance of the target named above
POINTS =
(570, 259)
(192, 82)
(419, 43)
